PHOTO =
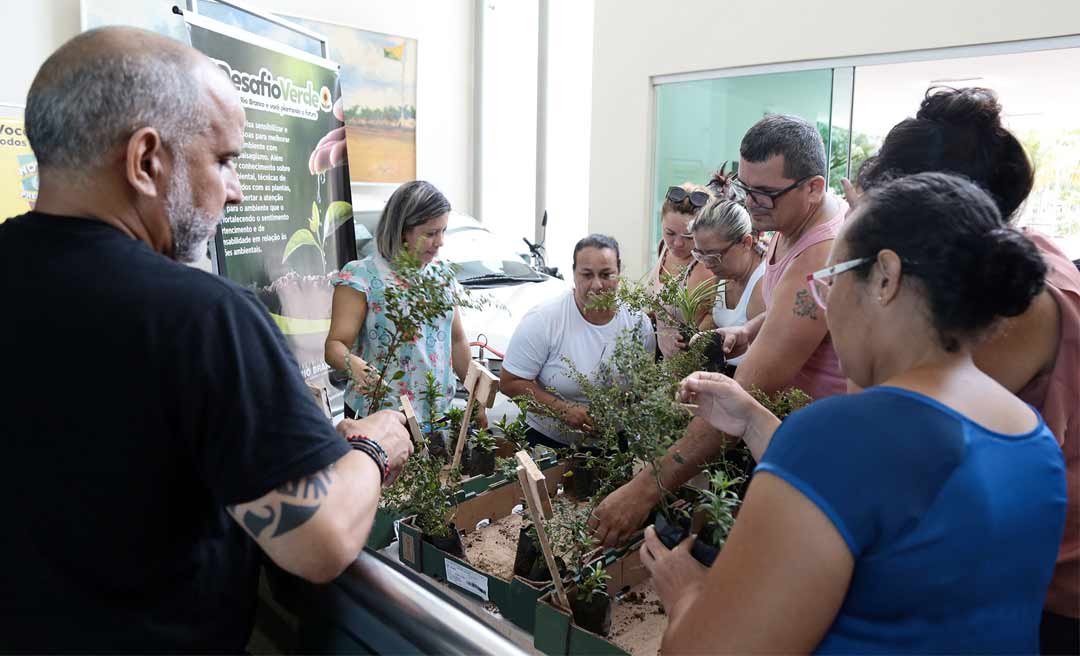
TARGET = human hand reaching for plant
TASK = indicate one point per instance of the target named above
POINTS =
(725, 405)
(576, 416)
(387, 428)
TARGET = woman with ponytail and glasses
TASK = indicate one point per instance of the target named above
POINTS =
(1035, 354)
(681, 204)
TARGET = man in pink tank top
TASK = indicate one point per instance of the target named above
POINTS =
(782, 170)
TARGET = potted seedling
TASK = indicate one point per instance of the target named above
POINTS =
(591, 605)
(584, 474)
(719, 502)
(481, 461)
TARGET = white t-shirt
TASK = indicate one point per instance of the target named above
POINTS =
(555, 330)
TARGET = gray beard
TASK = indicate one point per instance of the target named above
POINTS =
(191, 227)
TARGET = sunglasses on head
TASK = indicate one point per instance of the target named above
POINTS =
(678, 195)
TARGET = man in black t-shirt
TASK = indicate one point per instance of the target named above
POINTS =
(156, 433)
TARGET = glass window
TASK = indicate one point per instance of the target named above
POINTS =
(699, 124)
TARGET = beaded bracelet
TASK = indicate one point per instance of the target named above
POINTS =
(366, 445)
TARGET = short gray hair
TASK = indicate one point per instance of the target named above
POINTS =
(412, 204)
(84, 101)
(791, 136)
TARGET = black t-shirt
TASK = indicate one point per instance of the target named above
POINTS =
(140, 398)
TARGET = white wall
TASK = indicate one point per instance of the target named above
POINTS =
(637, 39)
(30, 31)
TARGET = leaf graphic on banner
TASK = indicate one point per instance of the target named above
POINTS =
(301, 237)
(337, 214)
(313, 222)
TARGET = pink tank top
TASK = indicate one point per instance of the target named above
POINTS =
(820, 376)
(1056, 395)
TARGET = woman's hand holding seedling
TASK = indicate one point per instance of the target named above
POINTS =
(576, 415)
(676, 576)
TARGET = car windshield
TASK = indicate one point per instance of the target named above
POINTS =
(479, 256)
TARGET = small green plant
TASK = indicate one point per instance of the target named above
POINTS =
(719, 502)
(783, 402)
(484, 440)
(594, 580)
(674, 303)
(319, 229)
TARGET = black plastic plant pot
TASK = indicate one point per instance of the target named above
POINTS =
(715, 360)
(451, 544)
(593, 613)
(583, 481)
(671, 534)
(481, 463)
(436, 445)
(527, 553)
(701, 550)
(540, 571)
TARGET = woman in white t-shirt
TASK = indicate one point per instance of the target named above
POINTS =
(725, 243)
(563, 328)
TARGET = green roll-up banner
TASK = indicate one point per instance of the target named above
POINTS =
(294, 228)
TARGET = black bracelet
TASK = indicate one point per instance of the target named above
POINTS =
(368, 446)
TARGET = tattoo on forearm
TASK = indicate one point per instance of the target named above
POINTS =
(804, 305)
(290, 515)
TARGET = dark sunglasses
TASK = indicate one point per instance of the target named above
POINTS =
(678, 195)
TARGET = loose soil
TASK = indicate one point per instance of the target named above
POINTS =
(638, 621)
(492, 548)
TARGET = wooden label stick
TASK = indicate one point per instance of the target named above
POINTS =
(482, 386)
(535, 497)
(410, 420)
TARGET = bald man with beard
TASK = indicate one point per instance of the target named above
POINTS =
(156, 432)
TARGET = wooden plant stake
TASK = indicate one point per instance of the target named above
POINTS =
(539, 505)
(482, 386)
(410, 420)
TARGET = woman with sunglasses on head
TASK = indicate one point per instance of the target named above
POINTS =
(1036, 354)
(726, 244)
(681, 205)
(922, 515)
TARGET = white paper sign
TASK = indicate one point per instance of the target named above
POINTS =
(466, 579)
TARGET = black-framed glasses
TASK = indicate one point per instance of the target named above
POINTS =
(678, 195)
(766, 199)
(711, 258)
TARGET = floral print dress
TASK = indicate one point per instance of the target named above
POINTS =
(429, 351)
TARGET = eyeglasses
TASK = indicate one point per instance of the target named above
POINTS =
(819, 282)
(714, 258)
(766, 199)
(678, 195)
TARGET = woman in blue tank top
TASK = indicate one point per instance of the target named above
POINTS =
(922, 515)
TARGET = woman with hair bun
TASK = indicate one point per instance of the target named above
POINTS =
(1037, 353)
(922, 515)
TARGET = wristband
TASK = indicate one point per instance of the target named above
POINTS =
(366, 445)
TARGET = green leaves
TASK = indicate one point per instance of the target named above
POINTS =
(301, 237)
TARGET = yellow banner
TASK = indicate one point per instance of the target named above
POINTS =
(18, 170)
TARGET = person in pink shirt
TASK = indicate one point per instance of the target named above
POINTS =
(781, 178)
(1036, 355)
